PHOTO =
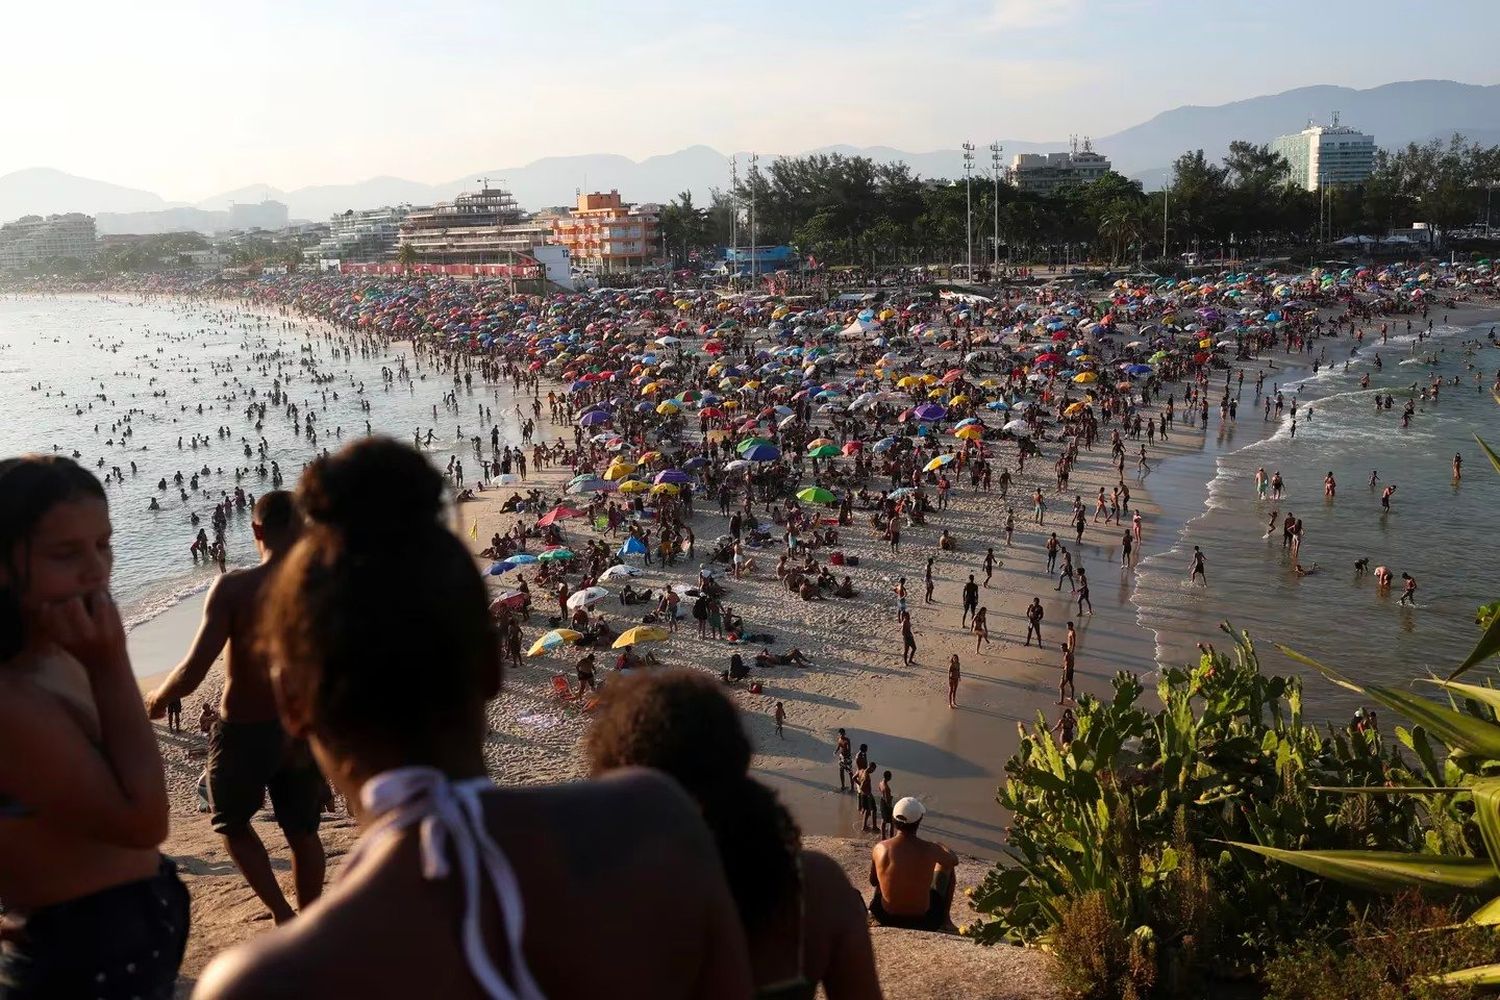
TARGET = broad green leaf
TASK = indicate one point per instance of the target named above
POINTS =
(1479, 975)
(1487, 915)
(1389, 789)
(1484, 695)
(1494, 458)
(1459, 731)
(1389, 871)
(1486, 792)
(1487, 646)
(1326, 671)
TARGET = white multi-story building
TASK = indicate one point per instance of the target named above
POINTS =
(33, 239)
(1047, 173)
(367, 235)
(1327, 154)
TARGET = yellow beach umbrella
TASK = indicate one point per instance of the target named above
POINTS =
(959, 400)
(1085, 377)
(907, 381)
(552, 640)
(633, 486)
(973, 432)
(665, 489)
(619, 470)
(641, 633)
(668, 408)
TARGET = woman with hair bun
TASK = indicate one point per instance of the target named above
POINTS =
(92, 908)
(383, 658)
(804, 923)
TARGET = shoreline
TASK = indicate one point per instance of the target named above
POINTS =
(953, 760)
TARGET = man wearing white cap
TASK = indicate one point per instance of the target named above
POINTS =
(913, 878)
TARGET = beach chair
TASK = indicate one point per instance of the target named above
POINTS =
(561, 688)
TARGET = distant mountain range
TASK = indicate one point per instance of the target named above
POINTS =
(1395, 114)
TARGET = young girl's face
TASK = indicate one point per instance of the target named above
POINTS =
(68, 555)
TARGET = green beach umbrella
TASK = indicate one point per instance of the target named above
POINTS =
(825, 451)
(816, 494)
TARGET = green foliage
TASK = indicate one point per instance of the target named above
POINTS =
(1136, 808)
(1467, 793)
(1393, 953)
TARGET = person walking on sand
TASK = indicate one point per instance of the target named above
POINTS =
(887, 804)
(1034, 616)
(989, 565)
(908, 641)
(1083, 592)
(953, 676)
(1066, 681)
(1127, 542)
(249, 751)
(843, 754)
(1067, 573)
(780, 717)
(1197, 570)
(900, 591)
(971, 600)
(927, 591)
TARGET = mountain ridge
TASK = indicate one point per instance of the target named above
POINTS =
(1395, 113)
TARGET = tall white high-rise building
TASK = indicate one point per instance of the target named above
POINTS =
(1327, 154)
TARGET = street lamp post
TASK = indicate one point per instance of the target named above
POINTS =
(995, 150)
(734, 214)
(969, 205)
(754, 159)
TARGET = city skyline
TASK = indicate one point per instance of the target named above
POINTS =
(190, 101)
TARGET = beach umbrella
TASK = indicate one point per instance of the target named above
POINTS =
(750, 442)
(764, 452)
(673, 476)
(557, 514)
(1085, 377)
(520, 559)
(633, 486)
(507, 599)
(619, 469)
(938, 463)
(620, 572)
(825, 451)
(666, 489)
(973, 432)
(556, 555)
(587, 597)
(506, 479)
(553, 640)
(1017, 427)
(816, 494)
(632, 546)
(496, 569)
(641, 633)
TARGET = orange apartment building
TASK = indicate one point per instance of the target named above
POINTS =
(606, 234)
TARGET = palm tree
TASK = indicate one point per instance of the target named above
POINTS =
(407, 256)
(1119, 225)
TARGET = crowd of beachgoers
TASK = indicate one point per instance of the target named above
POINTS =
(687, 486)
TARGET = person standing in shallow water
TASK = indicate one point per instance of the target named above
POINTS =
(411, 753)
(92, 908)
(249, 752)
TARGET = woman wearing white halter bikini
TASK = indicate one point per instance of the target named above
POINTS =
(384, 658)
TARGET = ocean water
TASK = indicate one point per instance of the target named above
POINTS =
(1442, 533)
(76, 373)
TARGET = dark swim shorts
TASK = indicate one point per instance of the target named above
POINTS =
(125, 941)
(247, 759)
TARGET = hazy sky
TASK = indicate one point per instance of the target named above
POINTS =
(188, 99)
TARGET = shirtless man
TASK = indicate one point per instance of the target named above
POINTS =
(249, 753)
(912, 877)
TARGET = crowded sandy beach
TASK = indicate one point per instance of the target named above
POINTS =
(887, 529)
